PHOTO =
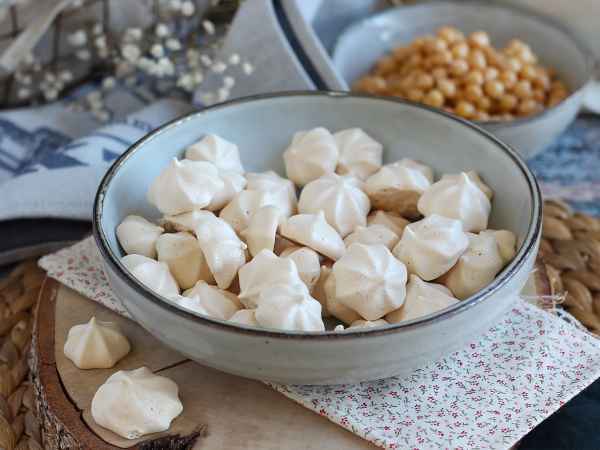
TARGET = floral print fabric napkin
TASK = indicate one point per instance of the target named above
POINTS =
(487, 395)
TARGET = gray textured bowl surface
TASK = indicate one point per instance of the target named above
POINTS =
(364, 42)
(262, 126)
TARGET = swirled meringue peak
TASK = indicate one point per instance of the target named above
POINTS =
(243, 206)
(341, 198)
(368, 324)
(289, 307)
(181, 252)
(431, 246)
(307, 262)
(336, 308)
(262, 229)
(96, 345)
(475, 178)
(265, 269)
(155, 275)
(184, 186)
(245, 317)
(233, 182)
(312, 230)
(310, 155)
(477, 267)
(507, 243)
(359, 154)
(422, 299)
(222, 153)
(397, 187)
(138, 236)
(184, 222)
(281, 192)
(209, 300)
(458, 198)
(133, 403)
(372, 235)
(370, 280)
(390, 220)
(225, 253)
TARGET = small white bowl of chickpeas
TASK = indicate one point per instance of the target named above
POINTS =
(519, 75)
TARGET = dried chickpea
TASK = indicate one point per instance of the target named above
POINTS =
(472, 92)
(508, 102)
(434, 98)
(460, 50)
(539, 95)
(414, 60)
(513, 64)
(484, 103)
(385, 65)
(479, 39)
(476, 60)
(508, 78)
(372, 85)
(515, 45)
(447, 87)
(522, 89)
(481, 116)
(554, 99)
(439, 73)
(442, 58)
(542, 80)
(450, 34)
(424, 81)
(434, 45)
(528, 72)
(474, 77)
(465, 109)
(494, 88)
(557, 85)
(415, 95)
(400, 53)
(459, 67)
(490, 73)
(526, 56)
(527, 107)
(417, 43)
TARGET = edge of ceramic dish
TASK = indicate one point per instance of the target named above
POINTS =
(519, 9)
(501, 279)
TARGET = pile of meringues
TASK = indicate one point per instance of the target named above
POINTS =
(366, 243)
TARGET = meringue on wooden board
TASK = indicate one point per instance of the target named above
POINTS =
(343, 236)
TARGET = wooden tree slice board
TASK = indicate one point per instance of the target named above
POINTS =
(238, 413)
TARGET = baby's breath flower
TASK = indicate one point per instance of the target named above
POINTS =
(187, 8)
(77, 38)
(131, 52)
(208, 26)
(234, 59)
(219, 67)
(173, 44)
(247, 68)
(206, 60)
(228, 82)
(161, 30)
(108, 83)
(83, 55)
(157, 51)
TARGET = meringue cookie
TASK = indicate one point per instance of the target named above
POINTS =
(359, 154)
(370, 280)
(155, 275)
(416, 165)
(280, 192)
(341, 199)
(265, 269)
(261, 230)
(132, 403)
(336, 308)
(311, 154)
(475, 178)
(368, 324)
(243, 206)
(372, 235)
(318, 291)
(312, 230)
(307, 262)
(397, 187)
(245, 317)
(182, 253)
(431, 246)
(184, 186)
(422, 299)
(215, 149)
(457, 198)
(391, 220)
(210, 301)
(184, 222)
(282, 244)
(138, 236)
(289, 307)
(233, 182)
(225, 253)
(476, 268)
(96, 345)
(507, 243)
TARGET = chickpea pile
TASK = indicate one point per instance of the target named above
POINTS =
(466, 76)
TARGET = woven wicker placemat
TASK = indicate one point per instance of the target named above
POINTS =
(19, 428)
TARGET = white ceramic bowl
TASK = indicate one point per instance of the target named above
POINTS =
(262, 126)
(364, 42)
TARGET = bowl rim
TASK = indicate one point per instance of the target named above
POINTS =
(109, 257)
(549, 21)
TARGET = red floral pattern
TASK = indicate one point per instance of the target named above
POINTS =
(488, 395)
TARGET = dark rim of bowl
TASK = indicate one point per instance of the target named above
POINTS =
(528, 246)
(520, 9)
